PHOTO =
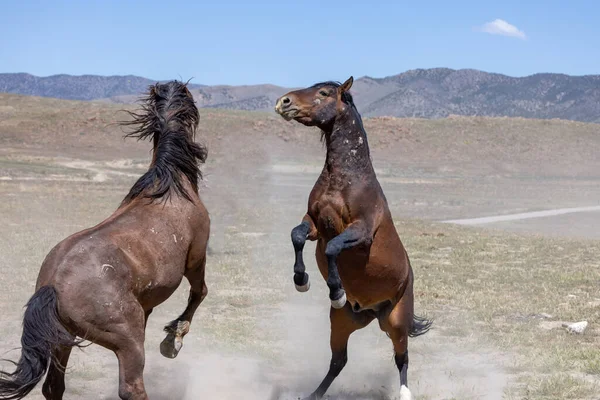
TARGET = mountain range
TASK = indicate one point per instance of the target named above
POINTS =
(424, 93)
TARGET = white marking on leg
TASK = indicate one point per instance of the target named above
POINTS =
(340, 303)
(405, 394)
(175, 238)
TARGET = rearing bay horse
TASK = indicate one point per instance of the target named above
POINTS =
(102, 283)
(358, 249)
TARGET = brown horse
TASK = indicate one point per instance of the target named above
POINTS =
(102, 283)
(358, 250)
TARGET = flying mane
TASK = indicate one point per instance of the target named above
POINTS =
(170, 118)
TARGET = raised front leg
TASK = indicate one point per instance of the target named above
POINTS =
(178, 328)
(306, 230)
(354, 235)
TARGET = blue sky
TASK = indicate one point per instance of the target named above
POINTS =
(295, 43)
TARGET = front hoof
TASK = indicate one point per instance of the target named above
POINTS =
(339, 303)
(171, 345)
(302, 283)
(303, 288)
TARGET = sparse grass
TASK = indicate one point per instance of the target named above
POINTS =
(504, 282)
(591, 361)
(560, 385)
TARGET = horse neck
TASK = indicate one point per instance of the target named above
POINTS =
(164, 158)
(347, 145)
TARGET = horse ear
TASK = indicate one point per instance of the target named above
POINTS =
(347, 85)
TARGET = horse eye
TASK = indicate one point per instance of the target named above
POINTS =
(323, 93)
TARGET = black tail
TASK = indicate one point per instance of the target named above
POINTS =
(420, 326)
(42, 333)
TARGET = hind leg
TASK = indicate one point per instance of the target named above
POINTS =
(125, 337)
(343, 323)
(178, 328)
(54, 385)
(397, 325)
(130, 354)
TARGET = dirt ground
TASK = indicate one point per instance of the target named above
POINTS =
(63, 168)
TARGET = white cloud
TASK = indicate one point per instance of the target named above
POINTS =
(501, 27)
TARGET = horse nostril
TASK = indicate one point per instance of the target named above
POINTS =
(286, 101)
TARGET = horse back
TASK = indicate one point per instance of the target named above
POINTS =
(142, 249)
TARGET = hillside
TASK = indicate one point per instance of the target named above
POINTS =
(84, 87)
(481, 145)
(428, 93)
(438, 93)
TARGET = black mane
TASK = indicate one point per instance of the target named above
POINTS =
(169, 117)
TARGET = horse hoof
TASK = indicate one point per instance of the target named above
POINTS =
(405, 393)
(339, 303)
(303, 288)
(171, 345)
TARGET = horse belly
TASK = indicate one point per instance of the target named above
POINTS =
(368, 283)
(156, 294)
(155, 285)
